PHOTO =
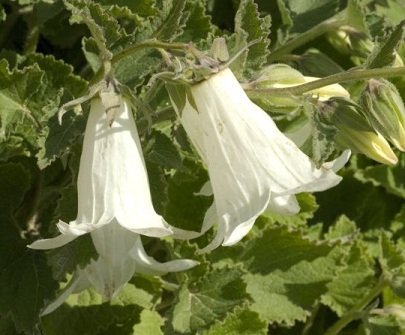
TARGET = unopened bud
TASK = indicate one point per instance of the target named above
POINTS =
(354, 132)
(282, 76)
(385, 110)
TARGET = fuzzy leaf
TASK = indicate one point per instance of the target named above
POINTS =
(121, 312)
(198, 24)
(288, 274)
(351, 284)
(251, 27)
(162, 152)
(370, 207)
(391, 178)
(185, 209)
(303, 15)
(383, 53)
(151, 323)
(203, 302)
(240, 322)
(27, 278)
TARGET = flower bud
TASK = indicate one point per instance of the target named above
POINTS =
(355, 133)
(282, 75)
(385, 110)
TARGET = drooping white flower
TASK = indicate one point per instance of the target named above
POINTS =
(252, 166)
(114, 203)
(121, 254)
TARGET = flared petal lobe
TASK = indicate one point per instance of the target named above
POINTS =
(120, 255)
(252, 166)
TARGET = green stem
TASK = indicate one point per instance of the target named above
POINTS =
(333, 79)
(320, 29)
(356, 311)
(148, 44)
(136, 47)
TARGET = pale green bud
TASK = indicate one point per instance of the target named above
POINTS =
(385, 110)
(354, 132)
(282, 76)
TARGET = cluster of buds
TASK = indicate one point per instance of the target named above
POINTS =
(354, 131)
(367, 128)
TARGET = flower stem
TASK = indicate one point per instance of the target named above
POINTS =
(148, 44)
(356, 311)
(309, 35)
(333, 79)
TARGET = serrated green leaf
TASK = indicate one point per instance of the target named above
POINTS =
(103, 26)
(203, 302)
(240, 322)
(308, 205)
(383, 325)
(172, 19)
(393, 11)
(251, 27)
(352, 284)
(24, 275)
(303, 15)
(140, 7)
(17, 88)
(288, 274)
(392, 261)
(58, 138)
(344, 230)
(26, 106)
(162, 151)
(151, 323)
(123, 311)
(64, 260)
(391, 178)
(185, 209)
(198, 24)
(27, 278)
(321, 143)
(370, 207)
(383, 52)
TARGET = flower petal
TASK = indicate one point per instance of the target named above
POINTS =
(52, 243)
(285, 205)
(77, 283)
(147, 265)
(247, 157)
(127, 189)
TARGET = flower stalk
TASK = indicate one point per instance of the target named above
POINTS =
(332, 79)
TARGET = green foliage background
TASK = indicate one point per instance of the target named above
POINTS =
(340, 259)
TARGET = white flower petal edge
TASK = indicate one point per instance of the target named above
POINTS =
(121, 254)
(112, 181)
(252, 165)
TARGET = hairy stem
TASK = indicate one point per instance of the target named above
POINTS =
(356, 311)
(148, 44)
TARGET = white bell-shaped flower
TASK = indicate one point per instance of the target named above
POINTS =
(112, 181)
(114, 204)
(252, 165)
